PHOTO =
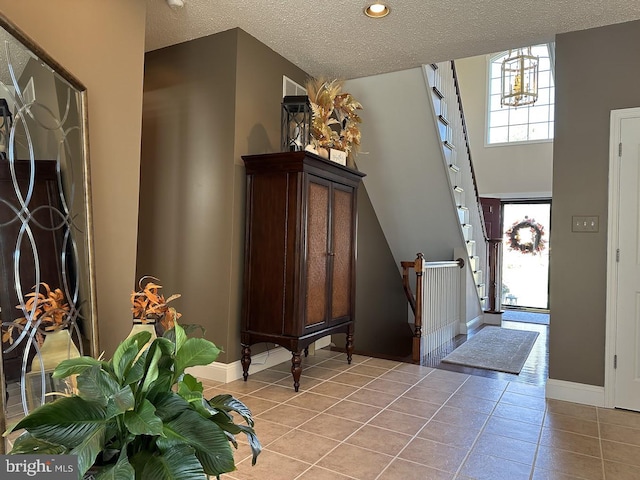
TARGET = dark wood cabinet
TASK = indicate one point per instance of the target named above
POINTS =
(44, 235)
(300, 253)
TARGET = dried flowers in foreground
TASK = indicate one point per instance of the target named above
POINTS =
(150, 306)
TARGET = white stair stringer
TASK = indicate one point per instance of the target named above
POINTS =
(446, 107)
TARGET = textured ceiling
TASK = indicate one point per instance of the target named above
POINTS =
(334, 37)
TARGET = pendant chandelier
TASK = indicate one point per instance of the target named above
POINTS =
(519, 78)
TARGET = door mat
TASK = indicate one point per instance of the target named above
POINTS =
(495, 348)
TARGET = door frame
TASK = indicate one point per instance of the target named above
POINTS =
(611, 322)
(530, 201)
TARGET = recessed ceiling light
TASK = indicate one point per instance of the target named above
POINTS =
(377, 10)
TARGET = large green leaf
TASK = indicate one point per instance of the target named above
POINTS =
(89, 448)
(95, 385)
(74, 366)
(143, 421)
(195, 351)
(66, 421)
(161, 385)
(28, 444)
(229, 403)
(181, 336)
(159, 370)
(123, 399)
(254, 443)
(136, 372)
(127, 351)
(209, 440)
(151, 366)
(177, 463)
(126, 361)
(190, 329)
(190, 389)
(122, 470)
(225, 421)
(192, 383)
(166, 345)
(169, 405)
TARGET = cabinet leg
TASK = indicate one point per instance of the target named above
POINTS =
(245, 361)
(296, 369)
(349, 346)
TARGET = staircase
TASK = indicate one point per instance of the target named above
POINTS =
(447, 107)
(417, 181)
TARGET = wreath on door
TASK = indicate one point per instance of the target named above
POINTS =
(525, 236)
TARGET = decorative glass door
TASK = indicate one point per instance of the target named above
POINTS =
(526, 247)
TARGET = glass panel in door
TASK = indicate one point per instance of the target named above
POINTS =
(525, 266)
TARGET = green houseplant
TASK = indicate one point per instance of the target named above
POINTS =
(139, 415)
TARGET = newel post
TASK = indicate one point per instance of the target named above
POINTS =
(420, 266)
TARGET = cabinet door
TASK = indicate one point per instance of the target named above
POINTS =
(47, 237)
(316, 254)
(341, 247)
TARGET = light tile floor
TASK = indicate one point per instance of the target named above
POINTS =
(381, 419)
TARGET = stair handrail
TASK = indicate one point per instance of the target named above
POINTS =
(466, 138)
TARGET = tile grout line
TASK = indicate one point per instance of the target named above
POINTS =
(604, 475)
(422, 428)
(535, 456)
(458, 471)
(369, 420)
(419, 379)
(319, 413)
(348, 436)
(344, 441)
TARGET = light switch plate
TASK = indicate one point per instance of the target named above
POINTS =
(585, 223)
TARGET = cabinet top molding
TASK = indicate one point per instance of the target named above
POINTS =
(295, 162)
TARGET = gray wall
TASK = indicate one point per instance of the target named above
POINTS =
(597, 70)
(258, 100)
(381, 305)
(186, 195)
(202, 101)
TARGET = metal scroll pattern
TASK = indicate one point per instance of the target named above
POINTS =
(41, 230)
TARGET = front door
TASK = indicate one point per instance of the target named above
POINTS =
(627, 336)
(525, 260)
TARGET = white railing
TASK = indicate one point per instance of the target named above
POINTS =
(441, 310)
(436, 304)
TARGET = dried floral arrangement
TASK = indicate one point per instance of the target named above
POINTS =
(50, 308)
(149, 305)
(335, 122)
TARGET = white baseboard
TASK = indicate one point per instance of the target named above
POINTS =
(228, 372)
(575, 392)
(323, 342)
(492, 319)
(470, 325)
